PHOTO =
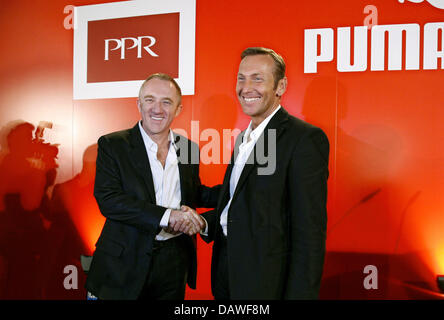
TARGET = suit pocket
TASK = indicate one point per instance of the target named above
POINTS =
(109, 246)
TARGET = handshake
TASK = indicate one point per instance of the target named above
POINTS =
(185, 220)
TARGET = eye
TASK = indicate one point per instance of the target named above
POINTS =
(258, 79)
(240, 78)
(149, 100)
(166, 102)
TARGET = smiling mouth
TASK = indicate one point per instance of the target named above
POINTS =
(251, 99)
(157, 118)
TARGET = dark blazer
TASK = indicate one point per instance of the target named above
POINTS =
(276, 222)
(124, 191)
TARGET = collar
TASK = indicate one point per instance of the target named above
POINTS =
(256, 133)
(150, 144)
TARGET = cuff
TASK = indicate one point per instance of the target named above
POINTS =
(165, 219)
(204, 232)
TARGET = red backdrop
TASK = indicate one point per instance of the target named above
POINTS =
(385, 128)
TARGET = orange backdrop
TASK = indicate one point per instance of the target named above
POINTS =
(385, 204)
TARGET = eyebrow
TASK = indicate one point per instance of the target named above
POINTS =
(151, 96)
(251, 75)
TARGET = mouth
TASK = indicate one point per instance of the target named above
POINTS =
(250, 99)
(157, 118)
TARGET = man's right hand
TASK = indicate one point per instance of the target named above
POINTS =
(186, 221)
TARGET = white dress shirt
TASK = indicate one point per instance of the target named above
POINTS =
(248, 142)
(166, 179)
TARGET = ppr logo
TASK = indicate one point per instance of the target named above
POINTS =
(130, 48)
(118, 44)
(137, 42)
(436, 3)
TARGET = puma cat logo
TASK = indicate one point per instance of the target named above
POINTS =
(436, 3)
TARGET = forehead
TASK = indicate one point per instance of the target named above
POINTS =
(159, 87)
(262, 64)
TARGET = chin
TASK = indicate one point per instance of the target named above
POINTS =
(249, 111)
(152, 130)
(158, 131)
(157, 128)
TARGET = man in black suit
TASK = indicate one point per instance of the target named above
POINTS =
(269, 226)
(143, 177)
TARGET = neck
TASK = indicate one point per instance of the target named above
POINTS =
(161, 139)
(256, 121)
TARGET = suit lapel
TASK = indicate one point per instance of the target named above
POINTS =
(140, 160)
(277, 122)
(184, 175)
(185, 169)
(224, 196)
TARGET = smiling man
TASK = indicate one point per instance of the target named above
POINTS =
(145, 250)
(259, 87)
(269, 229)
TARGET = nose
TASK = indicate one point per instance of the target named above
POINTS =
(245, 85)
(157, 108)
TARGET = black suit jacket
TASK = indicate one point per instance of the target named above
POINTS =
(124, 191)
(276, 222)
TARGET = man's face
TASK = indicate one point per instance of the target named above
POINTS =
(158, 104)
(255, 86)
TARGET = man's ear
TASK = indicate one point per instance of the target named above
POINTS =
(178, 110)
(138, 105)
(281, 87)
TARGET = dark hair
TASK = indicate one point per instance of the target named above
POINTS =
(279, 63)
(166, 77)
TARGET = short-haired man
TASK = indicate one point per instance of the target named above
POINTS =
(143, 177)
(269, 228)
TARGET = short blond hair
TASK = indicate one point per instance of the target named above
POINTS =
(279, 63)
(166, 77)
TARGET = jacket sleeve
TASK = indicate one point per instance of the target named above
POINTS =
(307, 186)
(208, 196)
(113, 201)
(212, 218)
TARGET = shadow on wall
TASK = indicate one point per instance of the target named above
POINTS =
(359, 171)
(396, 276)
(75, 210)
(366, 209)
(37, 237)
